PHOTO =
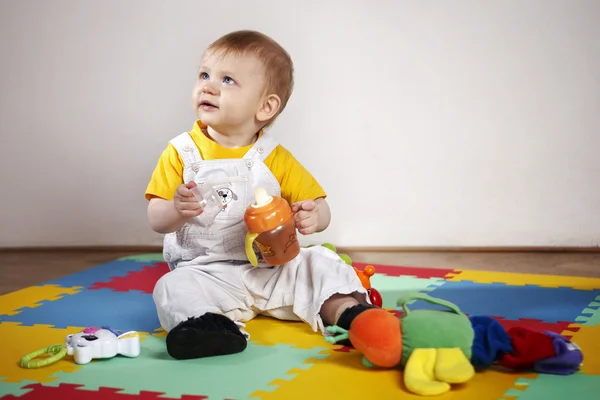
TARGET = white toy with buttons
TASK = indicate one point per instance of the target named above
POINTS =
(102, 342)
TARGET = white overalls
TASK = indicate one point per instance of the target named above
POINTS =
(210, 271)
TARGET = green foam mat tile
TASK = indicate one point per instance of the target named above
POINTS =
(556, 387)
(234, 376)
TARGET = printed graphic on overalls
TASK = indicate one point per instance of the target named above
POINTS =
(227, 196)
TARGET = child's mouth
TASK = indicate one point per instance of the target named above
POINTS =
(207, 105)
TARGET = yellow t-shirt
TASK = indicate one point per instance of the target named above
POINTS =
(296, 182)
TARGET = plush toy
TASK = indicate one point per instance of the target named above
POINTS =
(438, 348)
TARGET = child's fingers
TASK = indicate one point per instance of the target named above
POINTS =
(308, 230)
(306, 205)
(185, 194)
(188, 199)
(308, 223)
(186, 204)
(302, 215)
(191, 213)
(191, 205)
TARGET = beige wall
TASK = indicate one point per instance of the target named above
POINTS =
(429, 123)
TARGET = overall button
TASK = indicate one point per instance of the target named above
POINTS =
(249, 164)
(167, 257)
(195, 168)
(260, 149)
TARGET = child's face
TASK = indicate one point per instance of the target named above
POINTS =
(229, 91)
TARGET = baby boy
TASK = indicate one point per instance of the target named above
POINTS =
(243, 84)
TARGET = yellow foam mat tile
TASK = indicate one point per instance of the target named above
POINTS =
(553, 281)
(160, 332)
(266, 331)
(342, 375)
(32, 297)
(588, 339)
(22, 340)
(27, 339)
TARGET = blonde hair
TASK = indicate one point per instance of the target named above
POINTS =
(276, 60)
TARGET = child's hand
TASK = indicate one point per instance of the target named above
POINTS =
(185, 202)
(306, 217)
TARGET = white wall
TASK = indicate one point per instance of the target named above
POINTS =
(460, 123)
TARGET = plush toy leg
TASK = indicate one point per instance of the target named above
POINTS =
(419, 374)
(452, 366)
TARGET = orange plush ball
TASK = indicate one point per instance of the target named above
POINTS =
(366, 335)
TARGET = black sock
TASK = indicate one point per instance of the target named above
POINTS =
(348, 316)
(205, 336)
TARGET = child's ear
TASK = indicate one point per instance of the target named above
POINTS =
(269, 108)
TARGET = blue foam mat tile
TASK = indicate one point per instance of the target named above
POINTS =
(100, 273)
(512, 302)
(123, 311)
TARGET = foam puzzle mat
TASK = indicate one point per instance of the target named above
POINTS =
(283, 360)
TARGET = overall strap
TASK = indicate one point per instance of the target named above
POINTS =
(185, 146)
(262, 148)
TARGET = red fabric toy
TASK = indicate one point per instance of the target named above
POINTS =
(527, 347)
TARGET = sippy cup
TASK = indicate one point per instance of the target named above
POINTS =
(271, 225)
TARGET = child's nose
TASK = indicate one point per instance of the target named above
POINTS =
(209, 88)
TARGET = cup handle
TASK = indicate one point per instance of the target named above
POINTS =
(250, 236)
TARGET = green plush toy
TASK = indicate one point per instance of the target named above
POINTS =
(433, 346)
(434, 329)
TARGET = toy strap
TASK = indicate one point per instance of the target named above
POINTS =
(432, 300)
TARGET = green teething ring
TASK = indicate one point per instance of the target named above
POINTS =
(58, 352)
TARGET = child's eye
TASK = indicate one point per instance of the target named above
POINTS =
(203, 75)
(228, 80)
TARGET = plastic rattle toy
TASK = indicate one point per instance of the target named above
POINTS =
(86, 345)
